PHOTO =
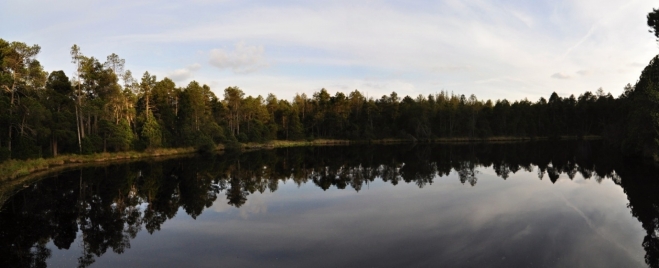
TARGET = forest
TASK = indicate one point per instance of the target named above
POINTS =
(103, 107)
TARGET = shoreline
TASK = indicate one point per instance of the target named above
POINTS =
(11, 170)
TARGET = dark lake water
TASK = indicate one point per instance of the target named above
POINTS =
(544, 204)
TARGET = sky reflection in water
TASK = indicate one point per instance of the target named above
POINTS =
(519, 221)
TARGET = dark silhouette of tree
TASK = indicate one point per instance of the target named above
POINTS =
(653, 22)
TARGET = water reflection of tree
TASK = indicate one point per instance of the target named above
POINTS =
(641, 192)
(467, 173)
(109, 206)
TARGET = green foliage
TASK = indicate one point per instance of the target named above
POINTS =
(119, 136)
(653, 22)
(151, 133)
(643, 105)
(26, 148)
(205, 144)
(4, 154)
(232, 147)
(215, 132)
(92, 144)
(95, 113)
(242, 137)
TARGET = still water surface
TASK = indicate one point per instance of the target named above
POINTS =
(546, 204)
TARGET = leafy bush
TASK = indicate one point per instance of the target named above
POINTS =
(26, 148)
(205, 144)
(4, 154)
(151, 132)
(242, 137)
(233, 147)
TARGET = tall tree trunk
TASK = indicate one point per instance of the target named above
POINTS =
(176, 107)
(89, 123)
(147, 104)
(11, 113)
(78, 129)
(81, 122)
(53, 145)
(23, 125)
(237, 124)
(285, 126)
(196, 121)
(80, 116)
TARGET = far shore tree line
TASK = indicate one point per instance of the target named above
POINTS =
(103, 108)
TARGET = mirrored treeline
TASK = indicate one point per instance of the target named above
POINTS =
(109, 205)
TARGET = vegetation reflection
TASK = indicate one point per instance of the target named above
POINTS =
(106, 207)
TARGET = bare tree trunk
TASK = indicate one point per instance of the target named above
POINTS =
(196, 121)
(78, 129)
(147, 104)
(285, 126)
(53, 145)
(11, 113)
(81, 122)
(89, 123)
(23, 125)
(80, 116)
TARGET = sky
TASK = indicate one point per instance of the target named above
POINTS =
(493, 49)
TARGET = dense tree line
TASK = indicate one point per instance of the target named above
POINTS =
(104, 108)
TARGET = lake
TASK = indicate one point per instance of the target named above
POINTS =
(530, 204)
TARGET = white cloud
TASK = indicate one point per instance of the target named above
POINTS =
(430, 46)
(184, 74)
(637, 65)
(451, 68)
(585, 72)
(564, 76)
(526, 19)
(287, 87)
(495, 50)
(194, 67)
(243, 59)
(561, 76)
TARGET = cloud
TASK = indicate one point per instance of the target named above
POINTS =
(194, 67)
(585, 72)
(243, 59)
(180, 75)
(564, 76)
(581, 41)
(561, 76)
(526, 19)
(451, 68)
(435, 45)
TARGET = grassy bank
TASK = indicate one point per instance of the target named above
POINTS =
(320, 142)
(285, 144)
(13, 169)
